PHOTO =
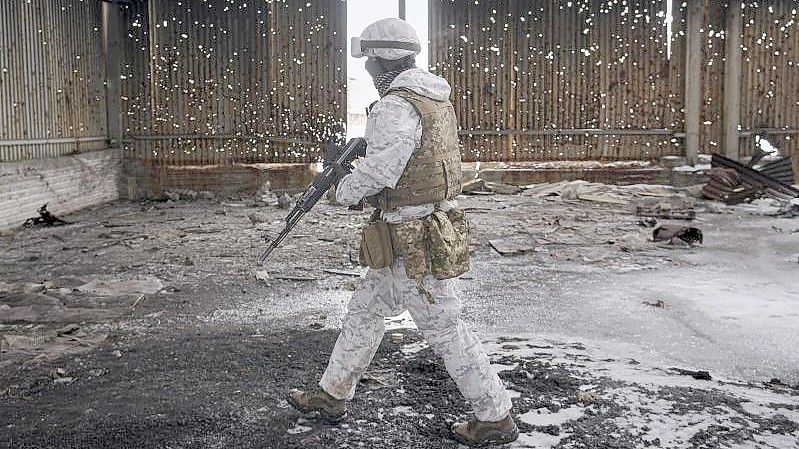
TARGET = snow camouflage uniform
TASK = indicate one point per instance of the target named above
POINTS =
(394, 135)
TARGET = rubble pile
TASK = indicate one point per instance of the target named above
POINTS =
(735, 183)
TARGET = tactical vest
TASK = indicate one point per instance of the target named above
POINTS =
(433, 173)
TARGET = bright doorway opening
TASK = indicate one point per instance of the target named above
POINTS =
(360, 90)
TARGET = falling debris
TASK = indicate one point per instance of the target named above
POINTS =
(45, 218)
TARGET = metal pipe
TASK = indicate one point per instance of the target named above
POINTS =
(112, 51)
(11, 143)
(569, 132)
(768, 131)
(693, 80)
(730, 138)
(220, 137)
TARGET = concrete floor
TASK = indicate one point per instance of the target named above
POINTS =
(571, 313)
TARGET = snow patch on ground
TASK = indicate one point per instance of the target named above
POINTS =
(659, 407)
(544, 417)
(401, 321)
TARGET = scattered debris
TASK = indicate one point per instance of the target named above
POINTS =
(64, 300)
(262, 275)
(597, 192)
(48, 346)
(753, 179)
(780, 169)
(503, 189)
(45, 218)
(659, 304)
(725, 185)
(475, 187)
(180, 194)
(285, 201)
(789, 209)
(699, 375)
(687, 234)
(667, 210)
(508, 247)
(647, 222)
(296, 278)
(344, 272)
(148, 285)
(258, 217)
(587, 397)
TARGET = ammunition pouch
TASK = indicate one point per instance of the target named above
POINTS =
(376, 250)
(437, 245)
(448, 236)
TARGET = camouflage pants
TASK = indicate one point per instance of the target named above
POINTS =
(388, 292)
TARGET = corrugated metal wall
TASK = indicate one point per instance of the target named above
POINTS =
(770, 75)
(557, 79)
(530, 77)
(52, 91)
(219, 82)
(770, 85)
(231, 81)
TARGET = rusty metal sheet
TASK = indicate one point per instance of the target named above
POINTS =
(52, 91)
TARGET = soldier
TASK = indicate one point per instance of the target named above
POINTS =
(416, 242)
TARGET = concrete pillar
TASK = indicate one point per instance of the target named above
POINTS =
(693, 80)
(402, 9)
(112, 50)
(731, 118)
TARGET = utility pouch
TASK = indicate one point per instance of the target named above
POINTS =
(449, 244)
(376, 249)
(410, 242)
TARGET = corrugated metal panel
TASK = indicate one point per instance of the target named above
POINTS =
(770, 85)
(556, 79)
(219, 82)
(52, 92)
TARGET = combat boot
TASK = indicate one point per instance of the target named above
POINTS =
(485, 433)
(318, 401)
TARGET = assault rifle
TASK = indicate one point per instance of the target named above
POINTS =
(335, 168)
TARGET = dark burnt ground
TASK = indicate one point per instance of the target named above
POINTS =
(225, 388)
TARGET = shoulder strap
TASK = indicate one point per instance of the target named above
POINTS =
(423, 105)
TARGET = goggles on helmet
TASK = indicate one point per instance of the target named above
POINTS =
(358, 46)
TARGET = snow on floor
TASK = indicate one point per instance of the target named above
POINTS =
(661, 407)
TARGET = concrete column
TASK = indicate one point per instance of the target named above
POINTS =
(693, 80)
(402, 9)
(731, 119)
(112, 51)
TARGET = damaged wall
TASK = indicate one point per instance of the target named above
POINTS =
(219, 82)
(65, 183)
(558, 80)
(594, 79)
(53, 128)
(52, 91)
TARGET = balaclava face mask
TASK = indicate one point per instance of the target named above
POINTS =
(384, 71)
